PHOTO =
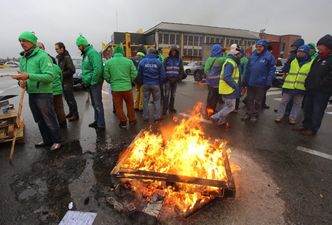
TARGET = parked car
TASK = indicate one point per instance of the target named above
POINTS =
(77, 77)
(191, 67)
(11, 64)
(278, 80)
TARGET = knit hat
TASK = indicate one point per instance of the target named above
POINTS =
(304, 48)
(297, 43)
(28, 36)
(326, 40)
(235, 49)
(81, 40)
(312, 46)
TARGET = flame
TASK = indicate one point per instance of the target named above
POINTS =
(186, 152)
(209, 111)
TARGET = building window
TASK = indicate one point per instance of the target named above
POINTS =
(177, 39)
(185, 39)
(196, 40)
(190, 40)
(160, 38)
(190, 52)
(172, 39)
(208, 40)
(166, 39)
(283, 46)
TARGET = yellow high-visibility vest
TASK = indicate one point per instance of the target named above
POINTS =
(297, 75)
(224, 88)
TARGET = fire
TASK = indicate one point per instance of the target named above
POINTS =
(187, 152)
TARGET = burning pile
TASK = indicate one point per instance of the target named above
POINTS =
(189, 169)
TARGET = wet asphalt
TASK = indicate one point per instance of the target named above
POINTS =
(277, 184)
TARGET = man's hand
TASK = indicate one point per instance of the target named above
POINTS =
(21, 76)
(23, 84)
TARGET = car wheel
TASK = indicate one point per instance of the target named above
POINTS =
(188, 71)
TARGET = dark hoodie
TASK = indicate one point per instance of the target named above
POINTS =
(299, 42)
(320, 75)
(67, 66)
(174, 66)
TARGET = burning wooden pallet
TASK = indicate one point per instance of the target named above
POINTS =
(215, 188)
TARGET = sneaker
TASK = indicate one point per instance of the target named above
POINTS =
(245, 117)
(308, 133)
(253, 119)
(132, 123)
(73, 118)
(159, 119)
(55, 146)
(69, 115)
(42, 144)
(123, 125)
(278, 120)
(292, 121)
(299, 129)
(93, 125)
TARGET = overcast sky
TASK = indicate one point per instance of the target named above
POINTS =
(64, 20)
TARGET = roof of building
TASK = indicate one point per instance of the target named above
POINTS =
(202, 29)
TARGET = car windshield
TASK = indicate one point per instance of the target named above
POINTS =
(77, 63)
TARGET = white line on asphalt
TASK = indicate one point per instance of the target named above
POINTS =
(277, 99)
(314, 152)
(330, 113)
(273, 93)
(202, 120)
(6, 89)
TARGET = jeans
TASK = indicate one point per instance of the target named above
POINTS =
(286, 98)
(97, 103)
(169, 98)
(228, 107)
(153, 90)
(118, 98)
(255, 98)
(314, 109)
(68, 92)
(42, 109)
(59, 110)
(213, 98)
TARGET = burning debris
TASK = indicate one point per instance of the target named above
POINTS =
(185, 170)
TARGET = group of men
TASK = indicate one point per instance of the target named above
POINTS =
(307, 82)
(46, 80)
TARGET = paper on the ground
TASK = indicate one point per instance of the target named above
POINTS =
(78, 218)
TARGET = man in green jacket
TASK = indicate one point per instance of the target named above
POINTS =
(120, 72)
(92, 77)
(57, 91)
(36, 75)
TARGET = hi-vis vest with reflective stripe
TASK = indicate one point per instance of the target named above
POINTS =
(224, 88)
(297, 75)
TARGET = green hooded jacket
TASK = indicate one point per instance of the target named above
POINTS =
(57, 82)
(92, 67)
(315, 53)
(119, 71)
(38, 65)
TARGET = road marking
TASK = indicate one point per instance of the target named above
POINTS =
(274, 92)
(274, 89)
(278, 99)
(6, 89)
(314, 152)
(202, 120)
(330, 113)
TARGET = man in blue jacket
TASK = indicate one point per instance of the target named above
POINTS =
(259, 76)
(151, 73)
(174, 72)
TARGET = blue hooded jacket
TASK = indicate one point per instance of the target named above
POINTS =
(213, 65)
(261, 68)
(151, 70)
